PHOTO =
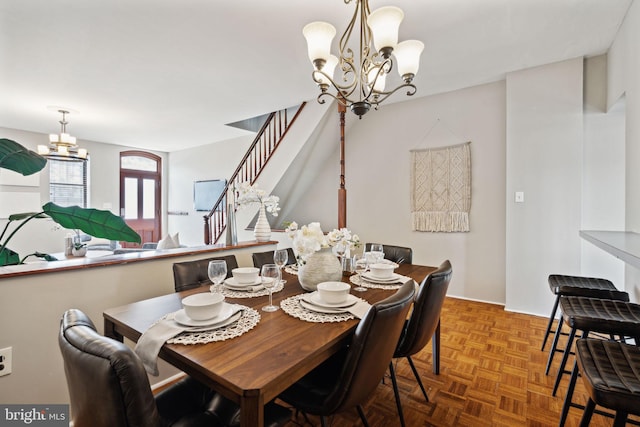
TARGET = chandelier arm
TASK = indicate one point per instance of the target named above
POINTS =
(349, 88)
(341, 99)
(381, 96)
(348, 69)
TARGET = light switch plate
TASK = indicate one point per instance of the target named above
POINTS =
(519, 197)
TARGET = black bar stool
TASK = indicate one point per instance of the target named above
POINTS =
(611, 374)
(613, 317)
(575, 286)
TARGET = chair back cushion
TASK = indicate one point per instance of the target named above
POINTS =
(425, 316)
(397, 254)
(191, 274)
(107, 383)
(262, 258)
(370, 350)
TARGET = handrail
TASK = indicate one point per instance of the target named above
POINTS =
(255, 159)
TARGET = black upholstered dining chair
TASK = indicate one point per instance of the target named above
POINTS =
(191, 274)
(421, 325)
(349, 377)
(261, 258)
(108, 386)
(397, 254)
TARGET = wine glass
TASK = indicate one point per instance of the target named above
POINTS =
(361, 265)
(217, 271)
(270, 276)
(377, 251)
(280, 258)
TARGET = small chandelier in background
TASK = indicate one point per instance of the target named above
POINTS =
(363, 83)
(63, 146)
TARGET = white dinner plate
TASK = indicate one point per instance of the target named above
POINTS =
(318, 309)
(231, 281)
(314, 298)
(218, 325)
(371, 278)
(225, 313)
(244, 288)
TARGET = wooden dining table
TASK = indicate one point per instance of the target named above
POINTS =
(256, 367)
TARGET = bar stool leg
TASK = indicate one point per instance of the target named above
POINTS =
(552, 352)
(620, 420)
(565, 356)
(551, 319)
(566, 406)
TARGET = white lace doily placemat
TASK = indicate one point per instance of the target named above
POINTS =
(247, 321)
(292, 307)
(359, 281)
(230, 293)
(291, 269)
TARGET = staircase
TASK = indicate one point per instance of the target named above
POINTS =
(256, 158)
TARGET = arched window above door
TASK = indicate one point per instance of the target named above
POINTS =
(140, 193)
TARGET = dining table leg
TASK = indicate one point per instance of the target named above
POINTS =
(110, 331)
(251, 410)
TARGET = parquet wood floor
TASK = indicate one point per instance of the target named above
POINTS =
(492, 374)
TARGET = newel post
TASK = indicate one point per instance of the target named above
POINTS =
(342, 191)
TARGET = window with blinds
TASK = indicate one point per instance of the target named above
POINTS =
(68, 182)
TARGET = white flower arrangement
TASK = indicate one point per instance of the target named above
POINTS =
(249, 194)
(309, 239)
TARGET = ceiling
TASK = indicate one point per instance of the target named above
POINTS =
(168, 74)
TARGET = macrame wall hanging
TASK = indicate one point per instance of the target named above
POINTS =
(441, 188)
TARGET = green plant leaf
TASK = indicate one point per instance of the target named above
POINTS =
(94, 222)
(9, 257)
(17, 158)
(25, 215)
(46, 257)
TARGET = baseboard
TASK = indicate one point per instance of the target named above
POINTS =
(166, 382)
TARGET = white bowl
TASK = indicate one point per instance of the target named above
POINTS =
(203, 306)
(382, 270)
(333, 292)
(245, 274)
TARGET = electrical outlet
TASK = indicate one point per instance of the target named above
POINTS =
(5, 361)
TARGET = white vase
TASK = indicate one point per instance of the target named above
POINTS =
(262, 230)
(321, 266)
(79, 252)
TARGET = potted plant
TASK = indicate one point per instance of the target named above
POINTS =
(98, 223)
(78, 247)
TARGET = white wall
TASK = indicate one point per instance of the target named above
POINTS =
(104, 182)
(378, 182)
(624, 80)
(544, 160)
(603, 183)
(214, 161)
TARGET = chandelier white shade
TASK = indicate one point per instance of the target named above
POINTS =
(319, 36)
(408, 55)
(385, 24)
(361, 80)
(63, 146)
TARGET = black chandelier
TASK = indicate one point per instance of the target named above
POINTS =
(362, 83)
